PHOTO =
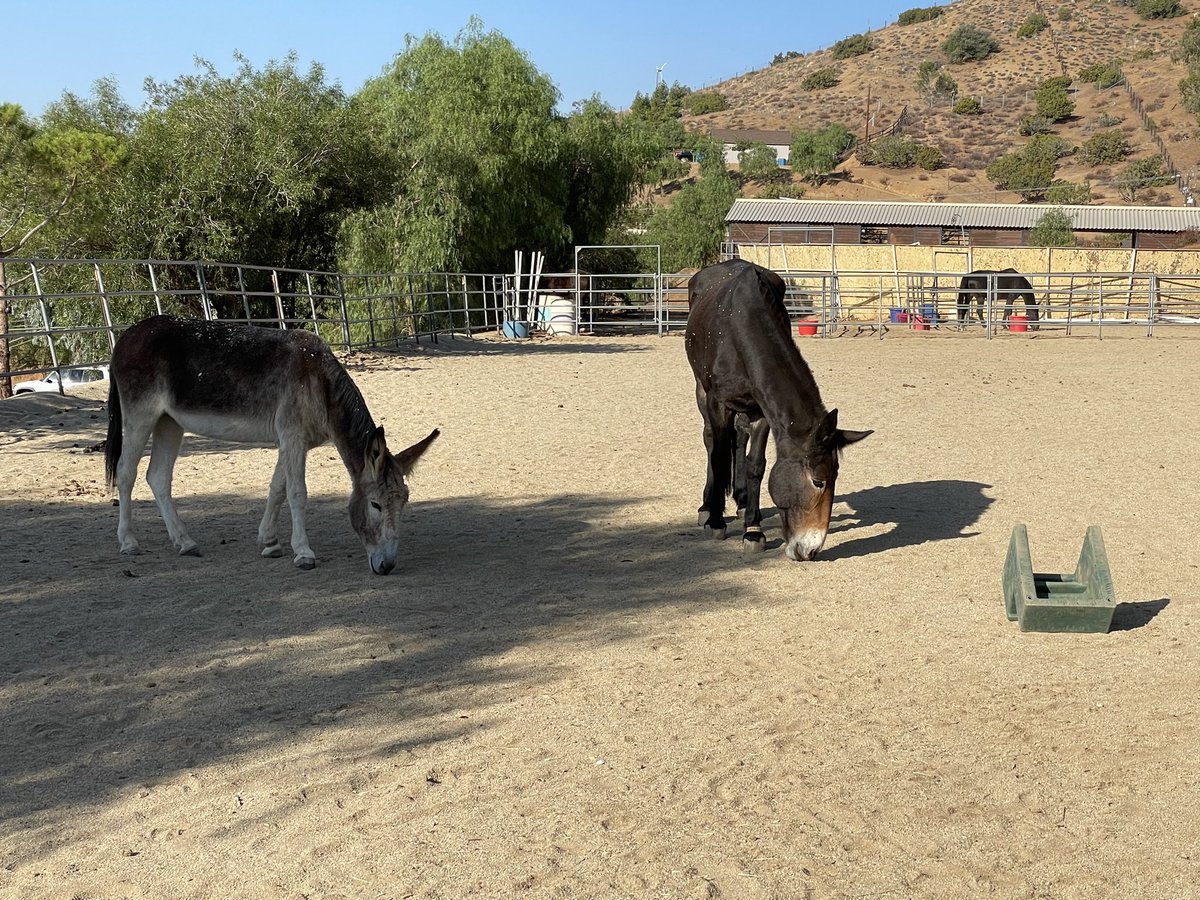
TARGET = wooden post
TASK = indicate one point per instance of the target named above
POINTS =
(5, 357)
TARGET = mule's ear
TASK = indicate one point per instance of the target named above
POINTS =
(375, 456)
(407, 458)
(851, 437)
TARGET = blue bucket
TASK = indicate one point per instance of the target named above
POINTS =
(898, 315)
(929, 313)
(513, 329)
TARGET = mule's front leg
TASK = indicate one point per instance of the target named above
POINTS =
(268, 528)
(719, 438)
(753, 539)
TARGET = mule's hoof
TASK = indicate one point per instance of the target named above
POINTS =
(702, 517)
(131, 548)
(717, 534)
(305, 562)
(272, 551)
(189, 550)
(754, 542)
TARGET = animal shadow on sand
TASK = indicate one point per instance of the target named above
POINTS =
(922, 511)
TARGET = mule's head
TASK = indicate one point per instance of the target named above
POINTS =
(802, 481)
(379, 496)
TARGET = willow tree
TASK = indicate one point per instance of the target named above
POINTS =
(481, 163)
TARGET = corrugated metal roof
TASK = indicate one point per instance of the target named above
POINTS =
(964, 215)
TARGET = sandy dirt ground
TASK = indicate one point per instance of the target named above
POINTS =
(564, 690)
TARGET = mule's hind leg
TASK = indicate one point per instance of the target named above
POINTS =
(719, 438)
(168, 437)
(756, 467)
(135, 433)
(706, 511)
(268, 529)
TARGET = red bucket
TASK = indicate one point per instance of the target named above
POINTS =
(1018, 323)
(920, 324)
(807, 327)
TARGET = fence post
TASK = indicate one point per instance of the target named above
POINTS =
(154, 287)
(245, 299)
(205, 305)
(1151, 305)
(112, 340)
(278, 298)
(341, 283)
(37, 288)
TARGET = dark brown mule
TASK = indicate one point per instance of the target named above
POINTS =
(748, 369)
(245, 383)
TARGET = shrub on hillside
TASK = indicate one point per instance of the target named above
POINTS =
(855, 45)
(933, 82)
(969, 42)
(1028, 175)
(1034, 24)
(1141, 175)
(1068, 194)
(968, 106)
(1189, 44)
(919, 14)
(1053, 101)
(1159, 9)
(701, 102)
(821, 78)
(1189, 87)
(1105, 147)
(781, 57)
(1103, 75)
(900, 153)
(1035, 125)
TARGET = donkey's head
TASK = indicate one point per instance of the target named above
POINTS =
(379, 496)
(802, 481)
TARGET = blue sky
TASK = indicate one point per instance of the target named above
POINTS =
(610, 47)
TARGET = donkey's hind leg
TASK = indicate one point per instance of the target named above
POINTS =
(268, 528)
(168, 437)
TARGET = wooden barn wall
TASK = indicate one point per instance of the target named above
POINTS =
(995, 237)
(760, 233)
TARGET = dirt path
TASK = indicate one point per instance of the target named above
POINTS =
(564, 691)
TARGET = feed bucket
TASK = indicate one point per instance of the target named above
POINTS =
(920, 324)
(898, 315)
(514, 329)
(1018, 323)
(929, 313)
(557, 315)
(807, 327)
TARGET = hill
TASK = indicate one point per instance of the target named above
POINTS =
(1079, 34)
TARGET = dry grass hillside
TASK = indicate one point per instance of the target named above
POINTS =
(1080, 34)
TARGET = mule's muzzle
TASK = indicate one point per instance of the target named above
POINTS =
(805, 545)
(381, 563)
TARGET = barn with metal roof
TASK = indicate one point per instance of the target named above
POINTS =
(752, 221)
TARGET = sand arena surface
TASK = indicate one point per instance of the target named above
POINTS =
(565, 691)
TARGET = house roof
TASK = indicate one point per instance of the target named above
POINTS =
(961, 215)
(750, 136)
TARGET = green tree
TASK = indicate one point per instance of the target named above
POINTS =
(968, 43)
(1029, 175)
(1067, 194)
(820, 79)
(691, 229)
(968, 106)
(758, 162)
(700, 102)
(1105, 147)
(257, 167)
(1189, 44)
(1103, 75)
(1189, 88)
(1141, 175)
(1159, 9)
(48, 174)
(1053, 101)
(1054, 229)
(919, 14)
(855, 45)
(1035, 23)
(815, 154)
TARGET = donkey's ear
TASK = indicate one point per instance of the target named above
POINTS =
(375, 456)
(407, 458)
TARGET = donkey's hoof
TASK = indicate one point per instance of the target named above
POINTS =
(702, 517)
(305, 562)
(189, 550)
(131, 548)
(717, 534)
(272, 551)
(754, 542)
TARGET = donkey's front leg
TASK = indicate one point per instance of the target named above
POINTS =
(268, 528)
(293, 459)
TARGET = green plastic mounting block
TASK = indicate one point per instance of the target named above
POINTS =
(1082, 601)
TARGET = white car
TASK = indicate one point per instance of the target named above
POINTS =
(70, 378)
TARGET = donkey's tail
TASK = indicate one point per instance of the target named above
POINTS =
(112, 444)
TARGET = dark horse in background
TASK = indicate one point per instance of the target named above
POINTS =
(1010, 285)
(749, 370)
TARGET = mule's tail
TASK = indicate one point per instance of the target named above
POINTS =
(112, 444)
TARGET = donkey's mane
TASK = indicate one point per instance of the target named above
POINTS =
(350, 421)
